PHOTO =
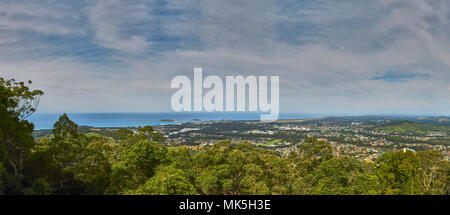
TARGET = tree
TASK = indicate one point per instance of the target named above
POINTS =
(122, 134)
(312, 153)
(168, 181)
(94, 170)
(227, 168)
(2, 172)
(278, 173)
(137, 164)
(335, 176)
(314, 149)
(64, 128)
(149, 133)
(182, 158)
(57, 158)
(367, 182)
(17, 102)
(399, 172)
(434, 171)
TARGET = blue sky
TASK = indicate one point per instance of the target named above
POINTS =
(352, 57)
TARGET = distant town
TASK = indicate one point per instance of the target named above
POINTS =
(362, 137)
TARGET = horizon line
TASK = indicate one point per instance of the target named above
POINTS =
(251, 112)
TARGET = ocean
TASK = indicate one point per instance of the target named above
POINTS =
(46, 120)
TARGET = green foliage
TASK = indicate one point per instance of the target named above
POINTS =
(16, 99)
(412, 127)
(168, 181)
(335, 176)
(39, 186)
(137, 164)
(122, 134)
(226, 168)
(2, 174)
(434, 174)
(316, 151)
(147, 132)
(64, 128)
(57, 158)
(17, 102)
(399, 172)
(70, 162)
(367, 183)
(94, 170)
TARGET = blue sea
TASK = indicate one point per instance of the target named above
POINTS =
(46, 120)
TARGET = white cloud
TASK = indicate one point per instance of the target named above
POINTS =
(325, 52)
(107, 18)
(41, 17)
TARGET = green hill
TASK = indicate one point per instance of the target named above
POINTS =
(408, 126)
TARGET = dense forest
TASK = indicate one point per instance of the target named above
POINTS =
(72, 162)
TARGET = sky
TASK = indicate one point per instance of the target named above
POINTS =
(338, 57)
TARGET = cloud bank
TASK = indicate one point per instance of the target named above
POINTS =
(341, 57)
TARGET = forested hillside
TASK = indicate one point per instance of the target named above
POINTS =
(72, 162)
(408, 126)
